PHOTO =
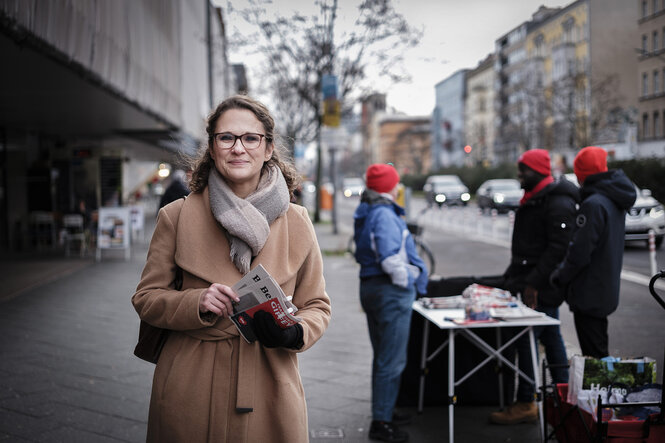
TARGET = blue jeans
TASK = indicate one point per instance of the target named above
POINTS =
(555, 352)
(388, 311)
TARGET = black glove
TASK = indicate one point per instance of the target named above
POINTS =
(271, 335)
(555, 281)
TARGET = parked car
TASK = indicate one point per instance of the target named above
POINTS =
(353, 186)
(502, 194)
(647, 213)
(446, 190)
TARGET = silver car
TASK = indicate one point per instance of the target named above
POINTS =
(353, 186)
(446, 190)
(646, 214)
(502, 194)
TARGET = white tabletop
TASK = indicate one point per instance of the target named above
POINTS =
(439, 316)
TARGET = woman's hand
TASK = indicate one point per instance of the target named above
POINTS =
(218, 299)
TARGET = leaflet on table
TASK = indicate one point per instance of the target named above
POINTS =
(519, 312)
(258, 291)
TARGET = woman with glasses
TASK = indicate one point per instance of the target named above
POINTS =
(209, 383)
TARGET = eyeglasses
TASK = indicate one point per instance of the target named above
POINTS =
(249, 140)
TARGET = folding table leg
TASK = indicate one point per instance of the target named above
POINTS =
(423, 366)
(536, 377)
(451, 385)
(500, 367)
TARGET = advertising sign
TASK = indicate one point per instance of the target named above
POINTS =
(114, 229)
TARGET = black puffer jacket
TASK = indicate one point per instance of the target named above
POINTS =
(592, 268)
(543, 228)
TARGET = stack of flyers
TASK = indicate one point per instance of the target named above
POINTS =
(258, 291)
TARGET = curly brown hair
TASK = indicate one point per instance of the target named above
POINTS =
(202, 163)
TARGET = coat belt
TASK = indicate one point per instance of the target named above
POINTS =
(246, 363)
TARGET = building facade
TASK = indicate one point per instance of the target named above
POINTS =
(651, 79)
(448, 121)
(405, 142)
(479, 112)
(573, 87)
(95, 96)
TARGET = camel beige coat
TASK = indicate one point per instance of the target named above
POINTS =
(210, 385)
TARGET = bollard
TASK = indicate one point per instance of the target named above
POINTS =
(494, 214)
(652, 252)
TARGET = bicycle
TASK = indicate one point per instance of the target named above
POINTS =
(422, 249)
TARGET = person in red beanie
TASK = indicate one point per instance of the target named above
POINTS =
(590, 272)
(543, 227)
(590, 160)
(391, 273)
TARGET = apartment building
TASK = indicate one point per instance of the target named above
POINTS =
(651, 78)
(448, 121)
(405, 142)
(479, 112)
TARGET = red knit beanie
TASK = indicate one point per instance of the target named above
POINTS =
(590, 160)
(538, 160)
(381, 178)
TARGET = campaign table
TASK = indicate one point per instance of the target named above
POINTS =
(443, 318)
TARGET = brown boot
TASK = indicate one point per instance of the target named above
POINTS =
(517, 413)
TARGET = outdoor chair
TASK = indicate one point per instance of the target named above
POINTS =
(74, 232)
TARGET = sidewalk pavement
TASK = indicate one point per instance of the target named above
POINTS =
(67, 373)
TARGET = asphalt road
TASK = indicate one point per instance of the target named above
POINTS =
(466, 242)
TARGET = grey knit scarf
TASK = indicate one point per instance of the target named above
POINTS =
(247, 220)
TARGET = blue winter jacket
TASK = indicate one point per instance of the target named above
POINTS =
(591, 271)
(384, 245)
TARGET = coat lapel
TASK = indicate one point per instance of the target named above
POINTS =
(202, 248)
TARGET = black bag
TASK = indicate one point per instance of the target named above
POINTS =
(151, 338)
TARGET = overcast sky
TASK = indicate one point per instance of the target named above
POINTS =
(457, 35)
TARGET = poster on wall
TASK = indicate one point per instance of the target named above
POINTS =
(113, 231)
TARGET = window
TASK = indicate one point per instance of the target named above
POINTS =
(656, 82)
(644, 44)
(644, 8)
(655, 41)
(656, 124)
(645, 126)
(645, 85)
(568, 25)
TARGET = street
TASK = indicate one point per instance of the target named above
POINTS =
(68, 373)
(466, 242)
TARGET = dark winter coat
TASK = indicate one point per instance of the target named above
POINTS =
(544, 225)
(591, 271)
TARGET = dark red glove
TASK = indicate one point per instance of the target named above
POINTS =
(271, 335)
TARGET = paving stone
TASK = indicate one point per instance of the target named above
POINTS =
(25, 426)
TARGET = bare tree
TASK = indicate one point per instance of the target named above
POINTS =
(299, 50)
